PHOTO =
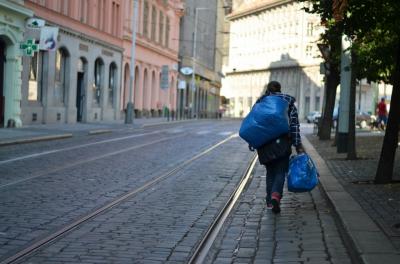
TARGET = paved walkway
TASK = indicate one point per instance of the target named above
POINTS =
(380, 202)
(304, 231)
(368, 215)
(339, 222)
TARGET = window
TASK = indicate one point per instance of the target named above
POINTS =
(83, 10)
(98, 79)
(115, 19)
(153, 23)
(101, 14)
(309, 51)
(161, 29)
(310, 28)
(64, 7)
(112, 84)
(146, 19)
(35, 77)
(60, 75)
(167, 29)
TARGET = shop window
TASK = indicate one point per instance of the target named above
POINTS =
(60, 75)
(35, 77)
(112, 84)
(98, 80)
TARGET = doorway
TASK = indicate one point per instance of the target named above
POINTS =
(80, 96)
(2, 63)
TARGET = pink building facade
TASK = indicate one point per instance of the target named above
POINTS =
(86, 77)
(157, 45)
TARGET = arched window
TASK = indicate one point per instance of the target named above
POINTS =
(112, 84)
(60, 75)
(36, 77)
(98, 80)
(126, 93)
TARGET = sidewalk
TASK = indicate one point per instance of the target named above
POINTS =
(34, 133)
(339, 222)
(370, 213)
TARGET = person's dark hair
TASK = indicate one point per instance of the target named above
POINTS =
(273, 87)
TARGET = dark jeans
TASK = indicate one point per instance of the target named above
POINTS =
(276, 174)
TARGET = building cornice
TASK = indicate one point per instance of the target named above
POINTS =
(17, 8)
(170, 55)
(255, 8)
(276, 66)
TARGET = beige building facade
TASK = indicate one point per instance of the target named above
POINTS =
(272, 40)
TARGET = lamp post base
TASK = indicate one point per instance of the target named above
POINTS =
(129, 113)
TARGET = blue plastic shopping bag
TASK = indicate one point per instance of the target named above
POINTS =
(303, 175)
(267, 120)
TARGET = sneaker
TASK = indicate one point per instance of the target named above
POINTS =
(275, 201)
(275, 205)
(269, 206)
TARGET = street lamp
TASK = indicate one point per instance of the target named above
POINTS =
(129, 107)
(194, 57)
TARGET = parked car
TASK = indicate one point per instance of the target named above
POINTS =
(363, 119)
(313, 116)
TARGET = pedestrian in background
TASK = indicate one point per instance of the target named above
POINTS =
(382, 113)
(277, 169)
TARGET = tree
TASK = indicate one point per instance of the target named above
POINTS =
(374, 26)
(332, 39)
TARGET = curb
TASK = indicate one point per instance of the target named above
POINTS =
(370, 243)
(99, 131)
(167, 123)
(34, 139)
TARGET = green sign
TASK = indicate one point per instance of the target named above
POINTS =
(29, 47)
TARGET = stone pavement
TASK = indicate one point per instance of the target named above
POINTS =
(380, 202)
(304, 231)
(339, 222)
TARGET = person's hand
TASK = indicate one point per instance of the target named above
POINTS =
(300, 149)
(251, 148)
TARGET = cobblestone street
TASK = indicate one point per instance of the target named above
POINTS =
(304, 232)
(150, 194)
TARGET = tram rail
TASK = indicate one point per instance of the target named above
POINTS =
(48, 239)
(203, 248)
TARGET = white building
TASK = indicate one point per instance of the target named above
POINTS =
(272, 40)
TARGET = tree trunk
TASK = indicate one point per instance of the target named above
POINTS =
(351, 148)
(384, 173)
(325, 126)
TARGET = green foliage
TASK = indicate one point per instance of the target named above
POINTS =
(373, 25)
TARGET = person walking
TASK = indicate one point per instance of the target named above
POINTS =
(382, 113)
(277, 169)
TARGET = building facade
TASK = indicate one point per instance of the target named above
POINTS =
(199, 51)
(85, 78)
(157, 46)
(12, 25)
(78, 81)
(272, 40)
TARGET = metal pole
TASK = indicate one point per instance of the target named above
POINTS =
(193, 62)
(130, 105)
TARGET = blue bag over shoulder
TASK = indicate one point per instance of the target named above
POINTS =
(303, 175)
(267, 120)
